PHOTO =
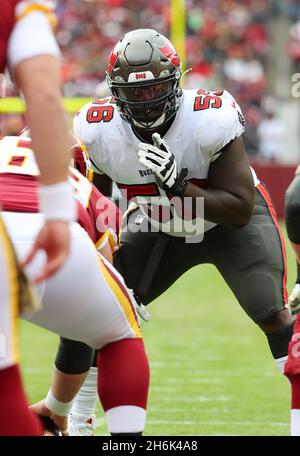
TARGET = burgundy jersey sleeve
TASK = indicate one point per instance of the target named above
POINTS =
(81, 161)
(7, 20)
(18, 193)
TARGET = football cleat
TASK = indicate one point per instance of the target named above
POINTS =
(81, 425)
(294, 300)
(143, 312)
(139, 307)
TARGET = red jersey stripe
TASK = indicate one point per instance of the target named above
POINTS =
(265, 194)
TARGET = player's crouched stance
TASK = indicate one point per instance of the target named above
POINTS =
(186, 143)
(292, 367)
(15, 295)
(87, 299)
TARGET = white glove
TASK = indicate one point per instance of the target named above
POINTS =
(294, 300)
(161, 161)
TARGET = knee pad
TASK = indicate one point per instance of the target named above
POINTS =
(279, 340)
(292, 209)
(73, 357)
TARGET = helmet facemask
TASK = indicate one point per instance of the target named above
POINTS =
(143, 76)
(147, 104)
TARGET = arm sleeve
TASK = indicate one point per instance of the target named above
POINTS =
(82, 161)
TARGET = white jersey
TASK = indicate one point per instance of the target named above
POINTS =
(204, 124)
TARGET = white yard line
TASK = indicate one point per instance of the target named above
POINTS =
(101, 423)
(230, 372)
(212, 411)
(196, 399)
(216, 423)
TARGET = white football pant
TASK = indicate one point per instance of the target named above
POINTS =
(86, 300)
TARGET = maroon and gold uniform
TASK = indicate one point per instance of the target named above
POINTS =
(25, 31)
(19, 175)
(86, 300)
(97, 219)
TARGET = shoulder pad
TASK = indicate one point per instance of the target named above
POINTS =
(91, 117)
(220, 119)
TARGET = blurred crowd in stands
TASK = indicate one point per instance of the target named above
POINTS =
(227, 46)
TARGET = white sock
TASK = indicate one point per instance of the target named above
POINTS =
(295, 422)
(281, 362)
(85, 401)
(126, 418)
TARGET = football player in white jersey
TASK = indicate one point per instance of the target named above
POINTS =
(158, 141)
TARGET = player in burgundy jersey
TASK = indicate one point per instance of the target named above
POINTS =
(292, 367)
(87, 300)
(28, 49)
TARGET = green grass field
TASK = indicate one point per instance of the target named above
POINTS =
(211, 369)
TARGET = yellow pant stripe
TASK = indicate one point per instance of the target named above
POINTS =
(13, 292)
(101, 240)
(111, 241)
(112, 281)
